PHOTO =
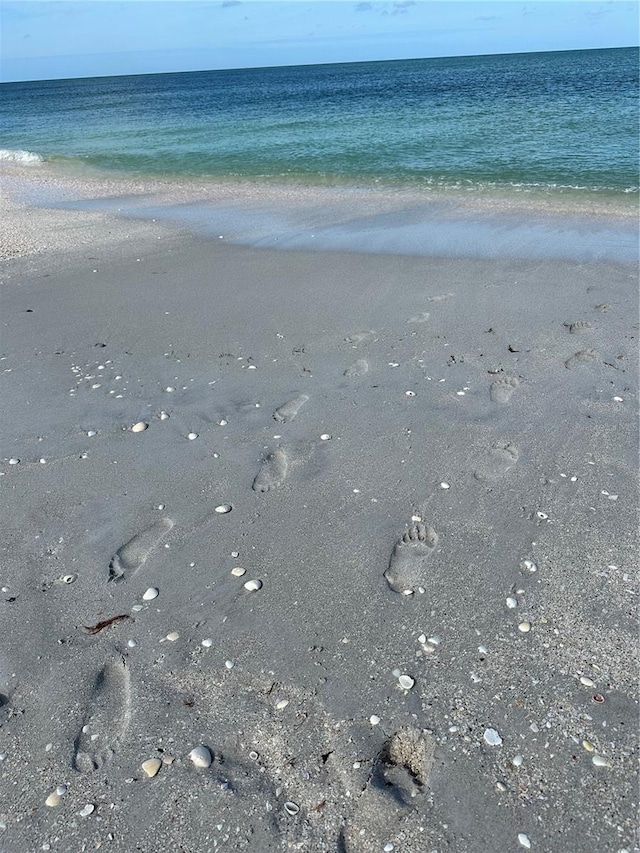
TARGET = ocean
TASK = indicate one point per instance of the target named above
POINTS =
(549, 123)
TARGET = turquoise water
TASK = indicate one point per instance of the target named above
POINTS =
(551, 122)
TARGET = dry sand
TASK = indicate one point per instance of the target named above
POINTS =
(461, 429)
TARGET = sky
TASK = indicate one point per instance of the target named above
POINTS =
(91, 38)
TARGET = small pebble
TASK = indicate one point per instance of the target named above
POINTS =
(524, 840)
(150, 594)
(223, 508)
(238, 572)
(492, 737)
(151, 767)
(201, 756)
(406, 682)
(524, 627)
(87, 810)
(207, 643)
(252, 586)
(172, 636)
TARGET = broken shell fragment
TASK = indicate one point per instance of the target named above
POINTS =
(492, 737)
(201, 756)
(151, 767)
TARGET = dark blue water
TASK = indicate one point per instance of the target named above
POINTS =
(546, 122)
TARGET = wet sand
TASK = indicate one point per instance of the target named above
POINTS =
(429, 464)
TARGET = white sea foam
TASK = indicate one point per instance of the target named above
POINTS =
(20, 156)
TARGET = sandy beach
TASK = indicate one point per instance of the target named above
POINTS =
(355, 520)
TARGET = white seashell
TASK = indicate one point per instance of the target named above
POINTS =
(282, 704)
(422, 638)
(252, 586)
(435, 641)
(192, 436)
(253, 755)
(599, 761)
(542, 515)
(169, 389)
(588, 682)
(137, 608)
(54, 799)
(207, 643)
(407, 592)
(388, 847)
(224, 508)
(529, 565)
(445, 486)
(201, 756)
(410, 393)
(132, 644)
(517, 760)
(374, 719)
(150, 594)
(141, 426)
(87, 810)
(325, 437)
(172, 636)
(524, 627)
(524, 840)
(14, 460)
(69, 578)
(588, 746)
(229, 664)
(291, 808)
(223, 422)
(492, 737)
(163, 416)
(238, 572)
(512, 602)
(151, 767)
(406, 682)
(500, 786)
(91, 433)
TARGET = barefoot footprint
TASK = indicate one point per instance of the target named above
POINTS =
(585, 356)
(400, 773)
(499, 460)
(358, 368)
(272, 471)
(502, 389)
(107, 717)
(406, 566)
(134, 553)
(287, 411)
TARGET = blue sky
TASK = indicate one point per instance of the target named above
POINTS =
(87, 38)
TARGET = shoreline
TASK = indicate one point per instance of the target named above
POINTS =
(463, 427)
(360, 219)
